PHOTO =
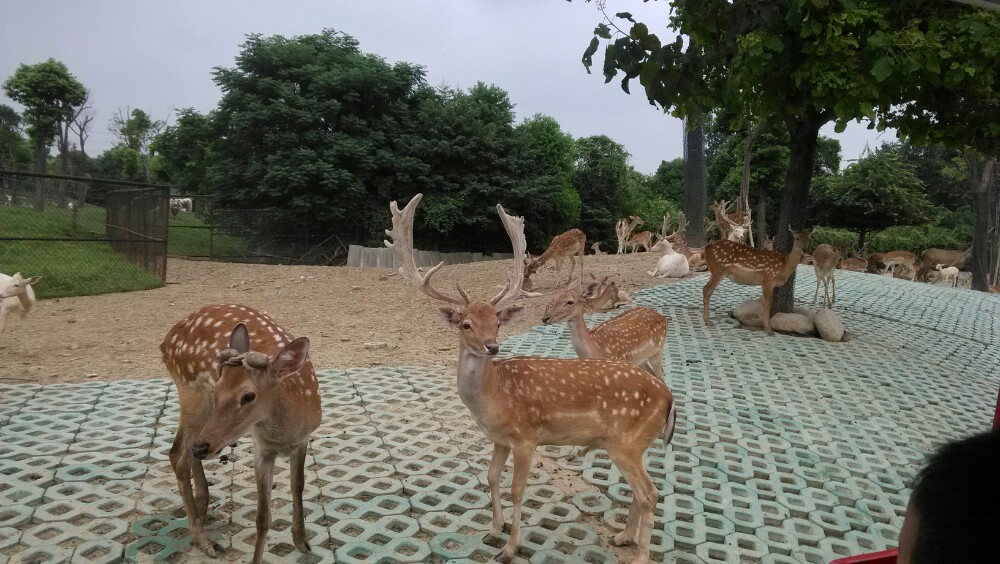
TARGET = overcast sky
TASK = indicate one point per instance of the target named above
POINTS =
(158, 56)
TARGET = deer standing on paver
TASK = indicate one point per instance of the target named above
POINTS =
(523, 402)
(236, 371)
(824, 259)
(637, 335)
(752, 267)
(570, 244)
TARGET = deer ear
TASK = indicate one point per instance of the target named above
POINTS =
(239, 339)
(32, 280)
(509, 314)
(291, 357)
(450, 315)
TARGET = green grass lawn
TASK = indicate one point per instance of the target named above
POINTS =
(186, 239)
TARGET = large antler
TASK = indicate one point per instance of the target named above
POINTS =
(402, 252)
(515, 276)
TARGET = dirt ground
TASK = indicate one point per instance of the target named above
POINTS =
(117, 336)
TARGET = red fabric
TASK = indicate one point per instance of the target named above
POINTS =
(884, 557)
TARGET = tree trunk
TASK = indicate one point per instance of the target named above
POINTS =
(761, 218)
(695, 181)
(981, 180)
(803, 132)
(861, 239)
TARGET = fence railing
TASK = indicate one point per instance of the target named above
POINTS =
(372, 257)
(83, 235)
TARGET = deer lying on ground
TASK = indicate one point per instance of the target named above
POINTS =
(16, 294)
(825, 259)
(624, 228)
(569, 244)
(237, 372)
(949, 273)
(671, 264)
(601, 295)
(597, 249)
(752, 267)
(856, 264)
(523, 402)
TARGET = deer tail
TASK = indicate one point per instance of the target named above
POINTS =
(668, 428)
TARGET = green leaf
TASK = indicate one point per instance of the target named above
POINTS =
(602, 31)
(625, 16)
(879, 40)
(639, 31)
(882, 69)
(625, 85)
(774, 43)
(588, 55)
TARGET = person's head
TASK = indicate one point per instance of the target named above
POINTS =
(954, 511)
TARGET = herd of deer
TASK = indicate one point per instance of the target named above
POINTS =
(237, 371)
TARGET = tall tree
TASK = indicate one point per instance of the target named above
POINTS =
(49, 94)
(803, 62)
(15, 151)
(601, 177)
(182, 154)
(135, 130)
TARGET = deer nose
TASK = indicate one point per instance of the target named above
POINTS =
(546, 319)
(200, 450)
(493, 349)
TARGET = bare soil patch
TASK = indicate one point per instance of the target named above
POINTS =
(117, 336)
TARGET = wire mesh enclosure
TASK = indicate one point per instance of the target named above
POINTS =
(83, 235)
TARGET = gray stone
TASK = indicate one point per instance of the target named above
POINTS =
(794, 323)
(750, 313)
(829, 325)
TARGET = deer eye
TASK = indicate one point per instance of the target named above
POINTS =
(248, 397)
(467, 325)
(570, 302)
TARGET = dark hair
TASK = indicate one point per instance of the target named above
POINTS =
(957, 497)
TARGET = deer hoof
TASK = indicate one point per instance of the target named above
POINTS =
(218, 547)
(615, 541)
(503, 557)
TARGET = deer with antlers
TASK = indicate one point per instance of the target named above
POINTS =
(824, 260)
(752, 267)
(735, 226)
(570, 244)
(237, 371)
(624, 229)
(523, 402)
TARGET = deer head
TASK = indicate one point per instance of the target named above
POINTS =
(17, 285)
(245, 389)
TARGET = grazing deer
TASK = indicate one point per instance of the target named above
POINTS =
(16, 294)
(905, 259)
(523, 402)
(569, 244)
(825, 259)
(751, 267)
(637, 335)
(642, 239)
(236, 371)
(624, 228)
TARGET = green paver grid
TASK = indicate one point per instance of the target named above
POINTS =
(787, 449)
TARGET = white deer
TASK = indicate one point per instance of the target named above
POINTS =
(16, 294)
(672, 264)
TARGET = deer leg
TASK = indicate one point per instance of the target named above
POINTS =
(181, 461)
(263, 465)
(713, 283)
(819, 278)
(833, 283)
(572, 267)
(500, 454)
(201, 497)
(639, 526)
(523, 453)
(768, 291)
(297, 468)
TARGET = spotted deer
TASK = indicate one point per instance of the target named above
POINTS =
(642, 239)
(624, 228)
(523, 402)
(236, 372)
(824, 260)
(600, 294)
(637, 335)
(570, 244)
(893, 259)
(751, 267)
(856, 264)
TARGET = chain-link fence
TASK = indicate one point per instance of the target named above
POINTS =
(83, 235)
(199, 228)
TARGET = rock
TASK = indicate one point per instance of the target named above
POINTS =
(794, 323)
(750, 313)
(375, 345)
(848, 336)
(355, 287)
(74, 346)
(830, 327)
(804, 311)
(383, 278)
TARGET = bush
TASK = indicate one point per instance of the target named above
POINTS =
(844, 240)
(918, 238)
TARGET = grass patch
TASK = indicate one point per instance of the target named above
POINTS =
(187, 238)
(74, 268)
